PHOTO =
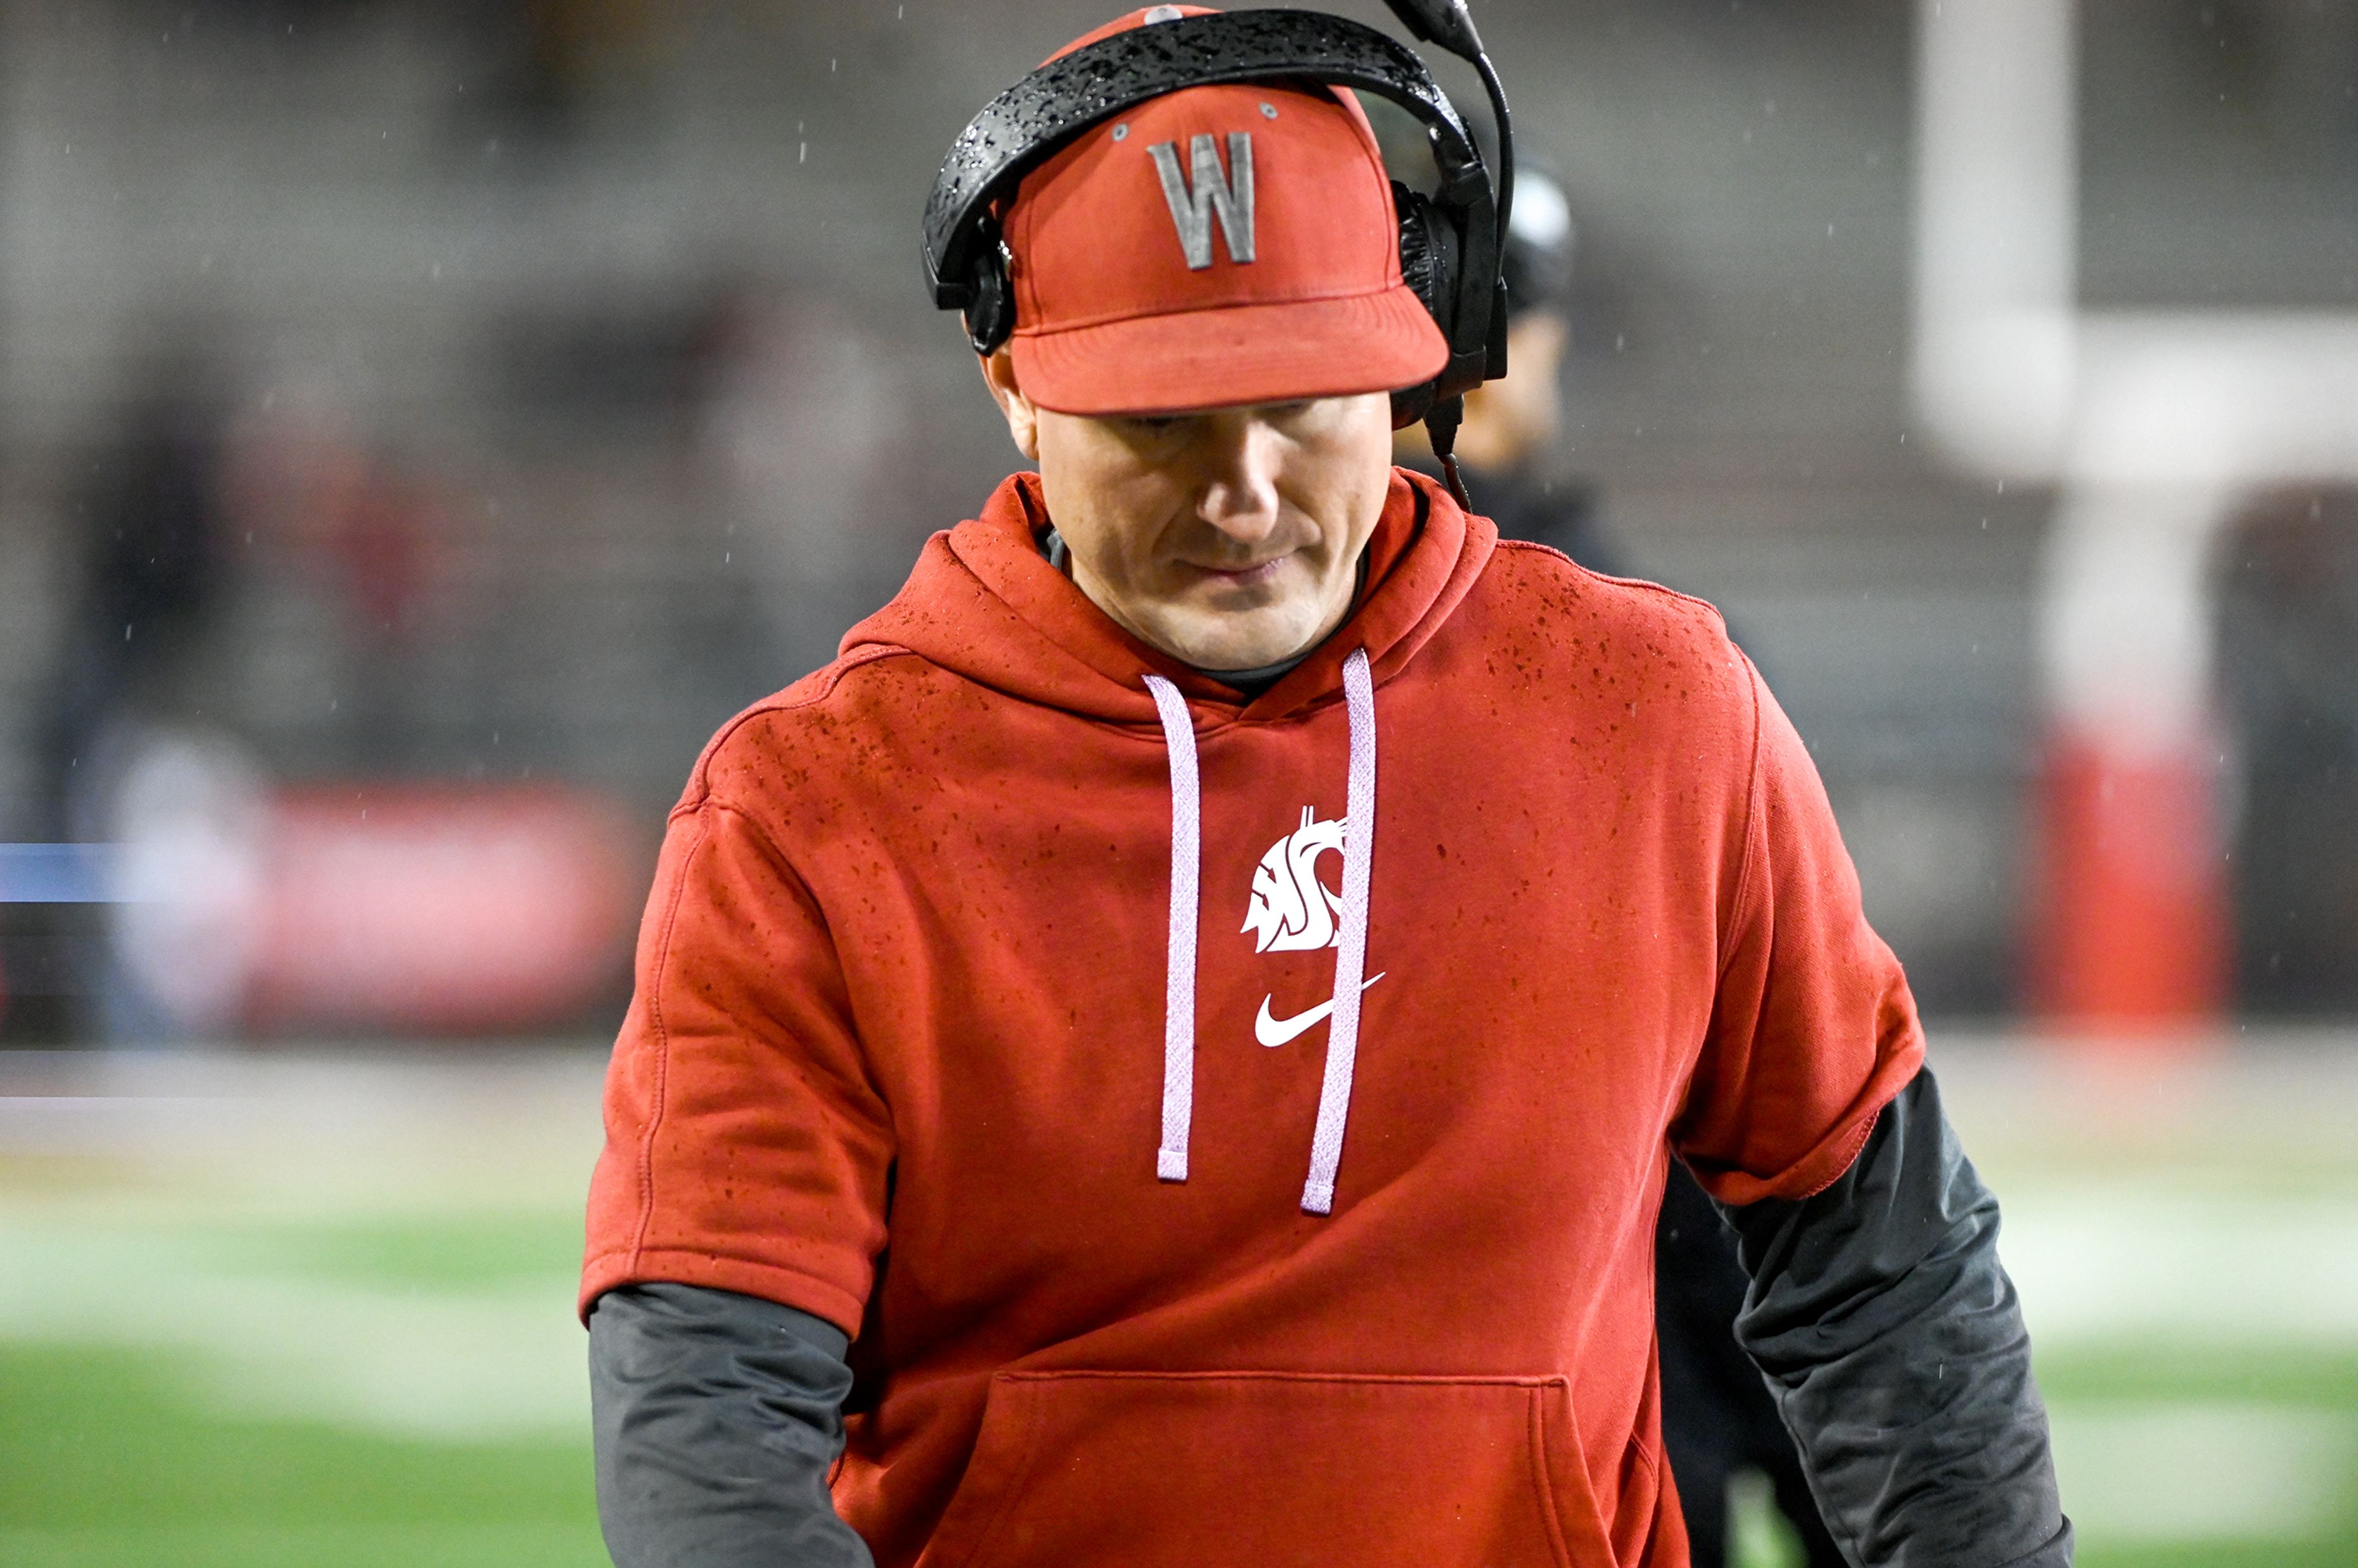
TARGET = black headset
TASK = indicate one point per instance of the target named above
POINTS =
(1451, 244)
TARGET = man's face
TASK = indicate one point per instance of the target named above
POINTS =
(1229, 537)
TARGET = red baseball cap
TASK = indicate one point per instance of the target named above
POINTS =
(1214, 246)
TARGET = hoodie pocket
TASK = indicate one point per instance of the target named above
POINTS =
(1141, 1468)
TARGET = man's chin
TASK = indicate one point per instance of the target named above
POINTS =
(1217, 639)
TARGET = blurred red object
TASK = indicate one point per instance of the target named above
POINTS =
(2132, 935)
(439, 908)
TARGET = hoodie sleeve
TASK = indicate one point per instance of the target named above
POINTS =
(746, 1147)
(1813, 1028)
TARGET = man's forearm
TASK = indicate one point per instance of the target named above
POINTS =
(1894, 1344)
(717, 1418)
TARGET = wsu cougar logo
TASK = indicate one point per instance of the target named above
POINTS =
(1292, 911)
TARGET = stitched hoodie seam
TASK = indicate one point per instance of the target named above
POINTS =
(834, 674)
(663, 1046)
(1745, 869)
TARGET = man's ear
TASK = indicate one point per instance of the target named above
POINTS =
(1022, 418)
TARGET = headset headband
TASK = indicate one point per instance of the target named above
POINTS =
(1070, 94)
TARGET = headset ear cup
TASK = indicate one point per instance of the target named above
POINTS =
(1428, 252)
(991, 318)
(1425, 253)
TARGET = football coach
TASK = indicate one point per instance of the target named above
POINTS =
(1167, 1051)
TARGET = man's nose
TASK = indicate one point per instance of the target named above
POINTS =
(1240, 493)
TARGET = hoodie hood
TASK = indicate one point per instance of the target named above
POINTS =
(983, 602)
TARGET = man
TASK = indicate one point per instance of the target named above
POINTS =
(1175, 1038)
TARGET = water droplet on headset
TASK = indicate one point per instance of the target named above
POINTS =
(1268, 111)
(1119, 132)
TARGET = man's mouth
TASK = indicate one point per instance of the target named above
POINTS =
(1253, 576)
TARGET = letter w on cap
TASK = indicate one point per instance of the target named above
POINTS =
(1231, 196)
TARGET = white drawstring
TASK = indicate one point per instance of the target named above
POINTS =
(1179, 978)
(1351, 953)
(1351, 940)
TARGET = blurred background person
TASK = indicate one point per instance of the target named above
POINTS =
(2288, 648)
(145, 505)
(1507, 445)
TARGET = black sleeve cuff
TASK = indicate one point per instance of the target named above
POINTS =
(2056, 1554)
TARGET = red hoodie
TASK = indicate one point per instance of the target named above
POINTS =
(928, 1042)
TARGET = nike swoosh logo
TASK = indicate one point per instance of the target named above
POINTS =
(1278, 1031)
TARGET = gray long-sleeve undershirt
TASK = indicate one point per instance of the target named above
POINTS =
(717, 1418)
(1893, 1343)
(1878, 1311)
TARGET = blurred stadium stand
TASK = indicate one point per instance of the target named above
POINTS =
(556, 382)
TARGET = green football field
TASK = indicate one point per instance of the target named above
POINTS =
(302, 1311)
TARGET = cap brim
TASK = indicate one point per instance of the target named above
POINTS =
(1276, 351)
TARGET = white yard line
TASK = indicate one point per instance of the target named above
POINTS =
(2155, 1472)
(505, 1361)
(2105, 1262)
